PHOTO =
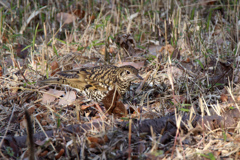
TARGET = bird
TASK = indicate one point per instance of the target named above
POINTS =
(96, 82)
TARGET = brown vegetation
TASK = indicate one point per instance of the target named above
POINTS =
(186, 106)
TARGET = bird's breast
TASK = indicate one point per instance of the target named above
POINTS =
(95, 95)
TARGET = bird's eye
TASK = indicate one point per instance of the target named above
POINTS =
(128, 72)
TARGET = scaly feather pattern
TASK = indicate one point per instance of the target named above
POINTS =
(95, 82)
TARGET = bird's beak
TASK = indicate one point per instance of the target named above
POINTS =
(134, 77)
(139, 77)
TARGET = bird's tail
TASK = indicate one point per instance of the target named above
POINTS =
(54, 81)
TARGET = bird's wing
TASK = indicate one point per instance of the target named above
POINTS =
(90, 78)
(94, 85)
(74, 78)
(53, 81)
(77, 79)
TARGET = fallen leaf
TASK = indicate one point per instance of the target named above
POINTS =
(51, 95)
(141, 147)
(93, 141)
(5, 39)
(60, 153)
(68, 98)
(39, 142)
(238, 98)
(42, 154)
(54, 67)
(176, 72)
(21, 51)
(80, 13)
(91, 18)
(23, 123)
(178, 99)
(66, 18)
(112, 104)
(219, 41)
(44, 123)
(137, 65)
(31, 109)
(102, 50)
(40, 116)
(111, 49)
(217, 30)
(1, 72)
(224, 98)
(169, 49)
(127, 42)
(153, 49)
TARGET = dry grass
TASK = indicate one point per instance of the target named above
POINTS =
(190, 52)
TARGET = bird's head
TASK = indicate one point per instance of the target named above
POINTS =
(128, 73)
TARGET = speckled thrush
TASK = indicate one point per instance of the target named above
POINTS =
(96, 82)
